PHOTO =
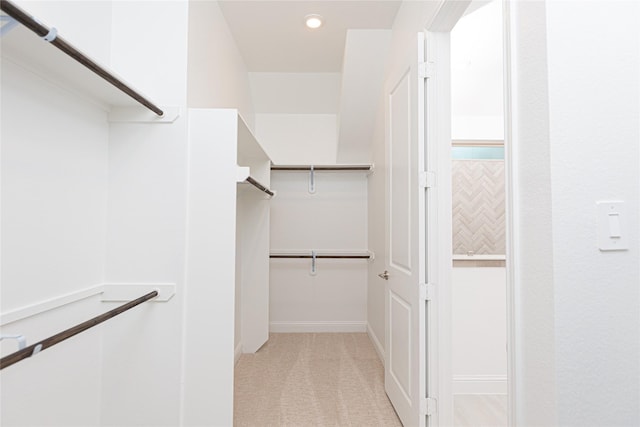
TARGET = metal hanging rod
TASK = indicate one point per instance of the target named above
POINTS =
(75, 330)
(317, 256)
(259, 186)
(321, 168)
(314, 256)
(50, 35)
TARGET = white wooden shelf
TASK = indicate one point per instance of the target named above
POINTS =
(251, 155)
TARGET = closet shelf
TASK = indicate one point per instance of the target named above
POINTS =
(324, 168)
(29, 45)
(251, 156)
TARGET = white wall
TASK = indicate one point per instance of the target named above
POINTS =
(577, 307)
(146, 218)
(595, 127)
(208, 342)
(295, 93)
(365, 57)
(86, 202)
(91, 34)
(54, 189)
(535, 314)
(479, 330)
(298, 138)
(476, 75)
(332, 219)
(54, 194)
(296, 116)
(217, 73)
(252, 266)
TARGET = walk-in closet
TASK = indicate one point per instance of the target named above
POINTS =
(311, 212)
(319, 252)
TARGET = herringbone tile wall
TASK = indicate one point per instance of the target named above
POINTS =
(478, 207)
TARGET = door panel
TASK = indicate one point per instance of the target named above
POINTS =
(400, 174)
(400, 337)
(405, 327)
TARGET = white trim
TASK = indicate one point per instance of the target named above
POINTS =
(479, 384)
(320, 326)
(448, 15)
(376, 342)
(480, 257)
(440, 373)
(439, 140)
(49, 304)
(511, 203)
(477, 142)
(237, 353)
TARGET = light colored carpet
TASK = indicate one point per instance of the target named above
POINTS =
(321, 379)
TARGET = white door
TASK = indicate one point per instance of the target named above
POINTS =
(405, 327)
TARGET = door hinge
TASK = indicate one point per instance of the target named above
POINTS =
(427, 291)
(427, 179)
(429, 406)
(426, 70)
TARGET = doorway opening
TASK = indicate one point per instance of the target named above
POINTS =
(478, 280)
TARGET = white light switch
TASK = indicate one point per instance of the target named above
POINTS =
(611, 228)
(614, 224)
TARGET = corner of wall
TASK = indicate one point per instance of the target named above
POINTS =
(217, 74)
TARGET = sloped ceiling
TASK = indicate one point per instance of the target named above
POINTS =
(272, 37)
(336, 69)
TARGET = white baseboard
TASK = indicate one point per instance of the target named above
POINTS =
(479, 384)
(376, 343)
(237, 353)
(317, 327)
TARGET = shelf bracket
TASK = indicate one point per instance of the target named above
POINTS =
(21, 339)
(51, 35)
(142, 115)
(313, 263)
(312, 180)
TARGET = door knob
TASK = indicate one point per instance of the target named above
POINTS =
(384, 275)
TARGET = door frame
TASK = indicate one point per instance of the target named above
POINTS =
(439, 109)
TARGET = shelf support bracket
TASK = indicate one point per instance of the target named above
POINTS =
(313, 263)
(21, 339)
(143, 115)
(312, 180)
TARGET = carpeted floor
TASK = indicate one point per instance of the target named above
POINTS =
(328, 379)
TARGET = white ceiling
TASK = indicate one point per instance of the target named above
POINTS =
(272, 37)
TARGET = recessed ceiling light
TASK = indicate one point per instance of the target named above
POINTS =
(313, 21)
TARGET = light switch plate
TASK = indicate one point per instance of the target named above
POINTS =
(612, 229)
